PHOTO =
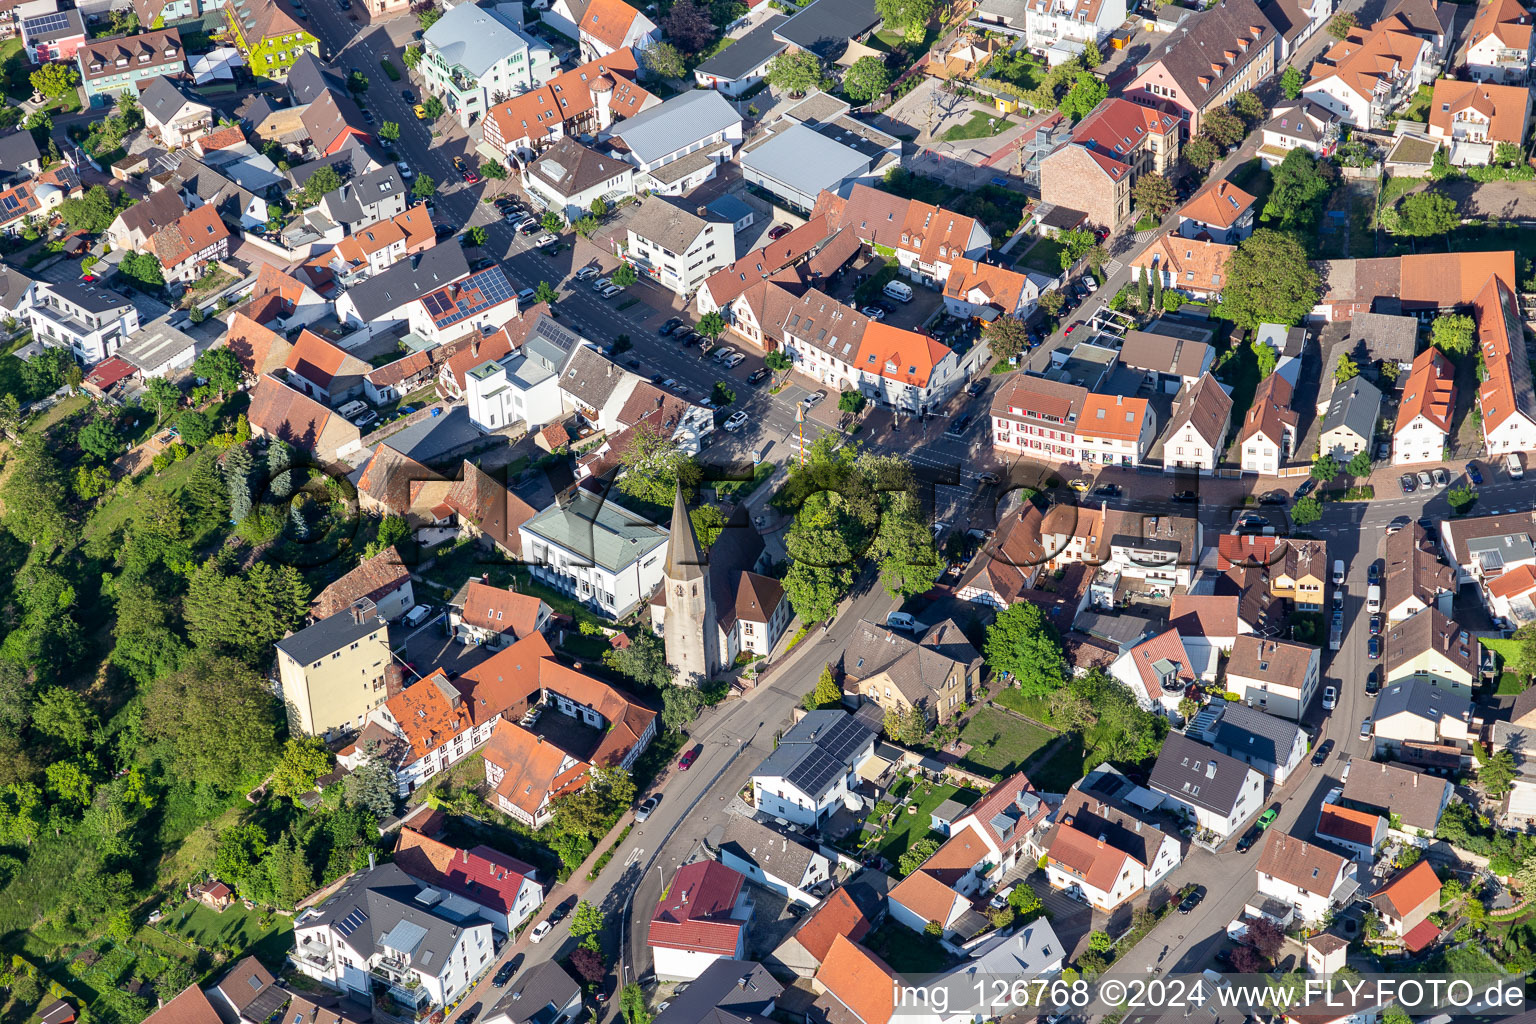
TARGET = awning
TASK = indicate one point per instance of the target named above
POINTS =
(873, 767)
(856, 50)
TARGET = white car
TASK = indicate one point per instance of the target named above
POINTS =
(545, 239)
(540, 930)
(1330, 698)
(669, 383)
(813, 399)
(735, 359)
(721, 354)
(405, 170)
(873, 312)
(736, 420)
(1440, 478)
(586, 273)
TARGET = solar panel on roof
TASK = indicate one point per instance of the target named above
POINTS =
(47, 23)
(353, 921)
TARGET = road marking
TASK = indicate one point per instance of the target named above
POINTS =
(634, 856)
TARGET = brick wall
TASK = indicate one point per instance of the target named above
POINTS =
(1070, 177)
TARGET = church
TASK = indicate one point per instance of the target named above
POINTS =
(714, 604)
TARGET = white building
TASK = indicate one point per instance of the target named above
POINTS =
(774, 860)
(1219, 792)
(1197, 432)
(1049, 23)
(1305, 876)
(1276, 676)
(1366, 75)
(475, 57)
(814, 769)
(568, 176)
(675, 247)
(1499, 44)
(1101, 850)
(86, 318)
(703, 917)
(479, 304)
(1424, 414)
(597, 552)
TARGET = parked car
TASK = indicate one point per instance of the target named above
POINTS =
(1425, 480)
(1275, 498)
(601, 283)
(1330, 698)
(646, 807)
(587, 273)
(976, 387)
(1268, 818)
(1373, 682)
(1078, 484)
(1320, 755)
(1407, 483)
(546, 239)
(469, 1015)
(1186, 497)
(405, 170)
(999, 899)
(1373, 573)
(778, 232)
(734, 360)
(1375, 625)
(1372, 650)
(540, 930)
(1474, 474)
(672, 324)
(465, 171)
(1190, 902)
(813, 399)
(366, 418)
(407, 95)
(1306, 487)
(1365, 728)
(1107, 490)
(688, 759)
(610, 291)
(507, 971)
(1441, 479)
(1249, 838)
(757, 375)
(735, 421)
(991, 479)
(873, 312)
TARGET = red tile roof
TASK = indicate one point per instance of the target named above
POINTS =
(570, 95)
(191, 233)
(838, 916)
(860, 981)
(1348, 825)
(504, 611)
(375, 577)
(900, 355)
(608, 21)
(483, 875)
(1430, 391)
(317, 360)
(923, 893)
(1421, 935)
(1411, 889)
(1219, 203)
(695, 914)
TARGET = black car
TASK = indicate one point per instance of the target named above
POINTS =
(565, 907)
(1249, 838)
(692, 338)
(1107, 490)
(1321, 753)
(408, 96)
(508, 969)
(1186, 497)
(1274, 498)
(1373, 682)
(671, 325)
(1190, 902)
(1375, 625)
(991, 479)
(976, 388)
(1373, 574)
(1373, 647)
(633, 364)
(1306, 487)
(469, 1015)
(757, 375)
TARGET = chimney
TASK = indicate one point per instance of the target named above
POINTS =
(685, 897)
(474, 348)
(485, 578)
(370, 860)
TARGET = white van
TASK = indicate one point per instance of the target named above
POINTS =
(1512, 463)
(901, 620)
(417, 615)
(899, 290)
(1338, 572)
(352, 410)
(1373, 599)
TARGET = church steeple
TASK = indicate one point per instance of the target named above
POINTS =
(685, 560)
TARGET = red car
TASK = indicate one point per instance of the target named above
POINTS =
(87, 278)
(1069, 330)
(778, 232)
(688, 759)
(469, 176)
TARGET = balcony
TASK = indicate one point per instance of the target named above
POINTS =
(64, 320)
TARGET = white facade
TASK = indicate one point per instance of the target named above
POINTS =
(1275, 696)
(1310, 905)
(711, 249)
(1263, 454)
(474, 58)
(1049, 22)
(93, 323)
(1418, 440)
(1224, 822)
(500, 394)
(614, 586)
(1490, 59)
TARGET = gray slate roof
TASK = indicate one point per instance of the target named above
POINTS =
(1355, 404)
(90, 297)
(307, 78)
(436, 437)
(747, 55)
(919, 668)
(1203, 38)
(408, 280)
(667, 222)
(368, 189)
(1420, 698)
(591, 377)
(825, 26)
(1197, 775)
(16, 149)
(330, 634)
(776, 854)
(572, 168)
(1413, 796)
(551, 344)
(817, 751)
(1253, 736)
(476, 38)
(676, 123)
(604, 532)
(163, 99)
(728, 992)
(805, 159)
(13, 285)
(536, 995)
(382, 904)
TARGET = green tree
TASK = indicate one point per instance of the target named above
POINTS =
(797, 72)
(424, 187)
(91, 482)
(654, 463)
(1074, 246)
(778, 361)
(1461, 497)
(412, 56)
(663, 60)
(1298, 187)
(904, 548)
(1088, 91)
(1224, 127)
(679, 706)
(1006, 337)
(1141, 297)
(161, 393)
(708, 523)
(909, 16)
(324, 180)
(1306, 510)
(243, 612)
(36, 494)
(915, 855)
(99, 439)
(389, 131)
(433, 108)
(1100, 942)
(624, 275)
(1324, 469)
(1268, 281)
(1346, 369)
(867, 79)
(1495, 772)
(1249, 107)
(552, 221)
(1292, 81)
(712, 325)
(546, 293)
(1360, 464)
(644, 660)
(1264, 355)
(55, 81)
(1427, 213)
(1024, 644)
(495, 170)
(371, 786)
(475, 235)
(1341, 24)
(1454, 334)
(1508, 154)
(1201, 152)
(850, 401)
(63, 715)
(1026, 903)
(214, 720)
(303, 761)
(220, 367)
(827, 694)
(1091, 56)
(195, 428)
(587, 920)
(357, 83)
(1152, 193)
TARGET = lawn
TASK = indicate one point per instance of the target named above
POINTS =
(909, 828)
(1064, 767)
(1001, 743)
(1044, 256)
(1015, 699)
(236, 928)
(906, 951)
(980, 126)
(1418, 108)
(1510, 685)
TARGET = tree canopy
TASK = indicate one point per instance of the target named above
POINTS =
(1268, 281)
(1022, 643)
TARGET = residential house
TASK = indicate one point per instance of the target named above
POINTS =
(1300, 573)
(542, 993)
(861, 982)
(1361, 834)
(89, 320)
(1208, 620)
(383, 940)
(1413, 712)
(1483, 548)
(985, 292)
(202, 185)
(483, 614)
(1406, 901)
(1116, 430)
(1276, 676)
(1112, 147)
(158, 350)
(568, 176)
(1038, 417)
(703, 917)
(269, 35)
(480, 304)
(1274, 746)
(1268, 436)
(1219, 212)
(1424, 413)
(132, 229)
(1289, 345)
(523, 383)
(1296, 21)
(1472, 119)
(1375, 338)
(384, 579)
(1216, 54)
(1429, 646)
(809, 943)
(1006, 17)
(528, 767)
(503, 890)
(815, 148)
(927, 240)
(1305, 876)
(323, 371)
(744, 63)
(906, 370)
(1009, 822)
(1300, 124)
(280, 411)
(20, 158)
(1370, 72)
(1102, 849)
(53, 34)
(774, 860)
(474, 57)
(1349, 425)
(813, 771)
(597, 552)
(382, 302)
(1054, 24)
(585, 100)
(1159, 671)
(678, 144)
(922, 900)
(334, 122)
(17, 292)
(1499, 47)
(1219, 792)
(728, 992)
(332, 672)
(189, 246)
(1197, 269)
(282, 301)
(1196, 435)
(1429, 19)
(192, 1006)
(1169, 363)
(1414, 578)
(607, 26)
(172, 114)
(1009, 564)
(934, 675)
(677, 248)
(367, 199)
(110, 67)
(247, 990)
(373, 249)
(1505, 397)
(1412, 801)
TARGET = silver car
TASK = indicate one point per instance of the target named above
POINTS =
(1441, 479)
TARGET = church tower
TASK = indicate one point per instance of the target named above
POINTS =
(692, 633)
